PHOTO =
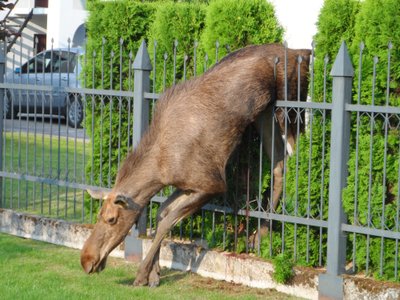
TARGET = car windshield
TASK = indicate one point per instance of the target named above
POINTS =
(51, 62)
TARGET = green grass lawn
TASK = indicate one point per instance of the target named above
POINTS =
(37, 270)
(45, 157)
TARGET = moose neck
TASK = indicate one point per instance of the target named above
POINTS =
(137, 177)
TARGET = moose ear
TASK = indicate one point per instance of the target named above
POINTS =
(98, 194)
(122, 201)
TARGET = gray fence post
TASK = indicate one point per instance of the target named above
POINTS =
(141, 108)
(3, 54)
(331, 283)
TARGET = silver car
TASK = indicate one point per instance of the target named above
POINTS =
(56, 69)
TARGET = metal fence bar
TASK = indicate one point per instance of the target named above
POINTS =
(372, 109)
(50, 181)
(2, 113)
(298, 104)
(382, 233)
(331, 283)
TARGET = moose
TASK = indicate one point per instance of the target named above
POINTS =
(196, 126)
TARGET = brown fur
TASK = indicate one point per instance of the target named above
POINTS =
(196, 126)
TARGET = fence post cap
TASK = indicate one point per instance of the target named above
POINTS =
(142, 59)
(342, 67)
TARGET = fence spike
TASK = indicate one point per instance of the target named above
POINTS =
(342, 65)
(142, 59)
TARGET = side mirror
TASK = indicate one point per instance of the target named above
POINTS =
(17, 70)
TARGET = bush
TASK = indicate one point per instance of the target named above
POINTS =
(283, 268)
(335, 24)
(181, 22)
(378, 23)
(236, 24)
(110, 22)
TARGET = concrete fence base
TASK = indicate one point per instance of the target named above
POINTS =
(242, 269)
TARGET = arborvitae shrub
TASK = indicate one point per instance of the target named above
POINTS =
(335, 24)
(378, 23)
(180, 22)
(238, 23)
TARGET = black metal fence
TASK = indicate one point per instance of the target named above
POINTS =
(340, 201)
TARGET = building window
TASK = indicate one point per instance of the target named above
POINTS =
(41, 3)
(39, 42)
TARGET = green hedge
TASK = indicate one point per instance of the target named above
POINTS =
(111, 22)
(378, 23)
(335, 24)
(180, 22)
(236, 24)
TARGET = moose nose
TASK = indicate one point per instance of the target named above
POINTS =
(88, 262)
(88, 266)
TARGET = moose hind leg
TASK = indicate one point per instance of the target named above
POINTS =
(269, 129)
(273, 145)
(178, 206)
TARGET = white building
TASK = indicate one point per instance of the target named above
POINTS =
(43, 24)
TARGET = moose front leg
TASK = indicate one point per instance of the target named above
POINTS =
(178, 206)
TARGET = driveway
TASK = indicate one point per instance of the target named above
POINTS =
(44, 125)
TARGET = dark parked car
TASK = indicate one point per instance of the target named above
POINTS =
(57, 69)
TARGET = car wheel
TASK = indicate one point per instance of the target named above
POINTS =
(74, 112)
(9, 112)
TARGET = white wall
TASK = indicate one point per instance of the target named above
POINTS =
(64, 17)
(23, 6)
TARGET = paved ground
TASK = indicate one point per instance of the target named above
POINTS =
(43, 125)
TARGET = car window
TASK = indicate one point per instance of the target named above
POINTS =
(35, 64)
(63, 62)
(50, 62)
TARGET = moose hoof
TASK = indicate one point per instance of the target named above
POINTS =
(140, 282)
(154, 284)
(154, 279)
